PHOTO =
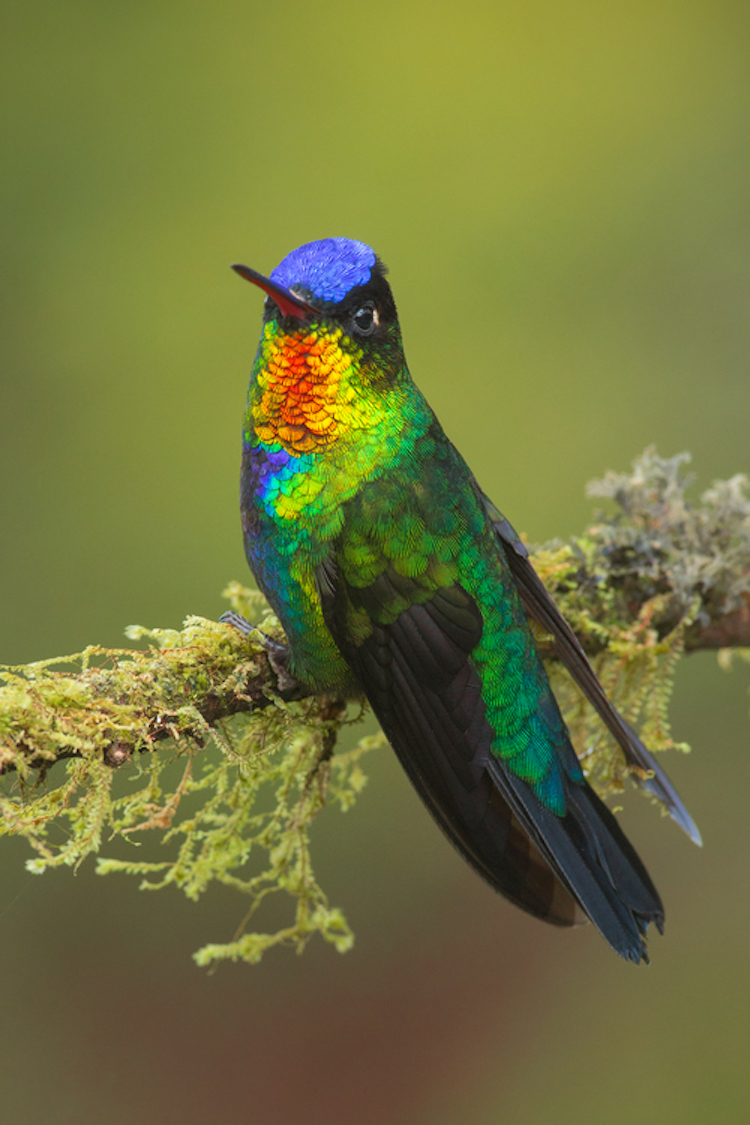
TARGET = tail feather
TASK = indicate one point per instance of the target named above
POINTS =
(591, 855)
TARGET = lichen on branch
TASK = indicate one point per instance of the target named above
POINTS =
(656, 577)
(192, 742)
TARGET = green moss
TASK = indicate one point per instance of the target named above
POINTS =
(142, 711)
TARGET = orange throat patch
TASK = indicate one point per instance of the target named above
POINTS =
(306, 395)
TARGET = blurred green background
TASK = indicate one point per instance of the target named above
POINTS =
(561, 193)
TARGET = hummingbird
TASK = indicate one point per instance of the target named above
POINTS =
(396, 578)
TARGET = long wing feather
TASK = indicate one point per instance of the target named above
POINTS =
(541, 607)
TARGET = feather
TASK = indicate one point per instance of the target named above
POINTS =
(539, 605)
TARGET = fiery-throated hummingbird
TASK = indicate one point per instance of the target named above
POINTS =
(395, 577)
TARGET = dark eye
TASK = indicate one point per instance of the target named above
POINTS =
(365, 320)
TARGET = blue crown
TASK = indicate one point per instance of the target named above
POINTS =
(328, 268)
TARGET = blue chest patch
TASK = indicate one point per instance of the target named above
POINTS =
(267, 469)
(329, 269)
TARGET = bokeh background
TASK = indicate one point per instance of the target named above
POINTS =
(561, 192)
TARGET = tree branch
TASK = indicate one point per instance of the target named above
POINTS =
(658, 576)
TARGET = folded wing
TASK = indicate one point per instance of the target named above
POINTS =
(416, 669)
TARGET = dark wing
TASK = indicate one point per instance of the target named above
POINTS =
(417, 674)
(540, 606)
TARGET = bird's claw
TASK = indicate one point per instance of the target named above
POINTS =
(237, 622)
(277, 652)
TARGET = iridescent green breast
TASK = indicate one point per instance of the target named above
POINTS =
(315, 435)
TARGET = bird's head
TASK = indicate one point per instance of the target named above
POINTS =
(333, 287)
(330, 357)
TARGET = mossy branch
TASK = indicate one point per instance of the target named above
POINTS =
(231, 772)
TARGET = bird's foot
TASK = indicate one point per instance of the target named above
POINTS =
(277, 652)
(241, 624)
